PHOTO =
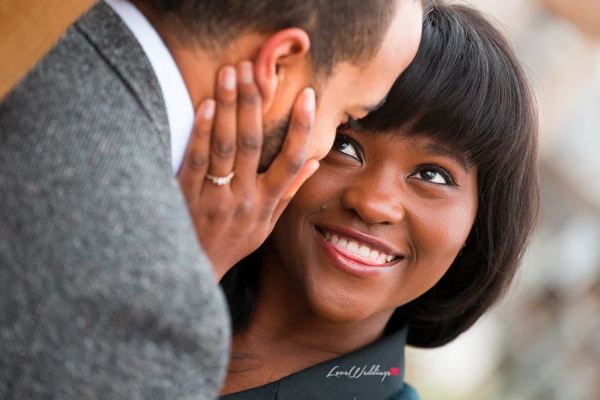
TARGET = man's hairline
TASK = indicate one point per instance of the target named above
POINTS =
(218, 47)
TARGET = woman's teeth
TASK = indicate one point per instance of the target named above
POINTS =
(359, 249)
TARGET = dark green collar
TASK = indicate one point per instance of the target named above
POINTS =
(366, 366)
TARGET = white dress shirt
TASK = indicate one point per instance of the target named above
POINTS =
(180, 110)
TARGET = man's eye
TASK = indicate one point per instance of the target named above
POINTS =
(345, 145)
(435, 175)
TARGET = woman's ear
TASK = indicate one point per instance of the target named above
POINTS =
(285, 49)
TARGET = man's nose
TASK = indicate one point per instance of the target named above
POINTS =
(375, 197)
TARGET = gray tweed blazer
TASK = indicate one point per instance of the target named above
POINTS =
(104, 290)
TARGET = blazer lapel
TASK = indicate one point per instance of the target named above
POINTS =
(119, 47)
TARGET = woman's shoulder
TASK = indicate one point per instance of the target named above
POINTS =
(406, 392)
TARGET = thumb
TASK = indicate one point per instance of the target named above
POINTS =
(306, 172)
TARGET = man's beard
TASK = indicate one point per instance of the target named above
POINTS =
(273, 143)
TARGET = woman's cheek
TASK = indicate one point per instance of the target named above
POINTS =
(319, 188)
(439, 234)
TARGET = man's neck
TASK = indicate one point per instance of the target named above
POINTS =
(198, 66)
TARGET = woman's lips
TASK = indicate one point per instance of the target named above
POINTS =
(354, 263)
(361, 239)
(356, 257)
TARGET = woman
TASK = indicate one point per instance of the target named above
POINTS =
(412, 228)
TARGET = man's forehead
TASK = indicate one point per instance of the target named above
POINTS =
(376, 106)
(357, 90)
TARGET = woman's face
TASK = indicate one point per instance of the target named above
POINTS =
(378, 224)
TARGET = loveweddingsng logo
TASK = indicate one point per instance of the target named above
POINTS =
(356, 373)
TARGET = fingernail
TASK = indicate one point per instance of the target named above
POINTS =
(229, 78)
(208, 111)
(246, 75)
(309, 99)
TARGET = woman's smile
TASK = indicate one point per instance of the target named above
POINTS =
(345, 249)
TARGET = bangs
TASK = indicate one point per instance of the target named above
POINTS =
(463, 89)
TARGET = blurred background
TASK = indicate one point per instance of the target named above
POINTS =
(543, 341)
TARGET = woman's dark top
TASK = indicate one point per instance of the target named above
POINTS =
(360, 376)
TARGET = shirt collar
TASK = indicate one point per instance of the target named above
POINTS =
(180, 110)
(366, 367)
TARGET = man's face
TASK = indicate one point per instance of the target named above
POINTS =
(350, 91)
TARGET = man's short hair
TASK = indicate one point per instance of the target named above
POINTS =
(340, 30)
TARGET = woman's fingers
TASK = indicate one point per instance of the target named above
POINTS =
(307, 171)
(195, 163)
(249, 128)
(289, 163)
(223, 141)
(232, 220)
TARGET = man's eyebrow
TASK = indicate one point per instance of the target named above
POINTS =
(375, 107)
(437, 150)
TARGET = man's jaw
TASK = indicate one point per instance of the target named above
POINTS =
(273, 143)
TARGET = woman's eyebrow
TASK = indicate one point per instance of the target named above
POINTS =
(438, 150)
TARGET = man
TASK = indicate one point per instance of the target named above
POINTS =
(105, 291)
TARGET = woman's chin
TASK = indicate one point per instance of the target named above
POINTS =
(338, 301)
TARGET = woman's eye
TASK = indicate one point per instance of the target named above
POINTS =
(345, 145)
(434, 176)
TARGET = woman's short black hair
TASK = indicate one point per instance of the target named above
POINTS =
(464, 89)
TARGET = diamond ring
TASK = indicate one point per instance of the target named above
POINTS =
(220, 180)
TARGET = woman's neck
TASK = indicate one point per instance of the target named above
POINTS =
(284, 336)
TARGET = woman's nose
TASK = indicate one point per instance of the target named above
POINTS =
(375, 199)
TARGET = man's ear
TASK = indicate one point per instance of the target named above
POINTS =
(286, 49)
